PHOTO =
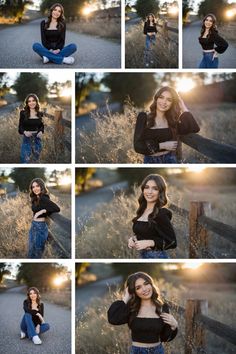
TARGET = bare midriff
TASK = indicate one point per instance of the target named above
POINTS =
(40, 219)
(160, 153)
(145, 345)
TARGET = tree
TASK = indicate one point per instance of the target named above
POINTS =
(84, 83)
(83, 175)
(15, 8)
(4, 88)
(72, 8)
(3, 271)
(23, 176)
(139, 87)
(186, 8)
(143, 8)
(217, 7)
(31, 83)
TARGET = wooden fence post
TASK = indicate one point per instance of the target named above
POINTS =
(198, 235)
(59, 131)
(195, 342)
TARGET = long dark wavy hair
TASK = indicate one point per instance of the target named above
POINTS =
(213, 27)
(153, 19)
(37, 107)
(172, 115)
(135, 302)
(44, 190)
(60, 20)
(161, 202)
(37, 299)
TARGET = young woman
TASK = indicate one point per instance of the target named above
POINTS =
(42, 207)
(146, 315)
(212, 43)
(32, 128)
(53, 32)
(150, 30)
(33, 323)
(153, 231)
(156, 133)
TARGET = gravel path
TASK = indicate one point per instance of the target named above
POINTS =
(56, 341)
(192, 51)
(16, 49)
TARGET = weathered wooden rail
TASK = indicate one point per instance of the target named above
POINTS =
(196, 324)
(199, 227)
(217, 152)
(65, 224)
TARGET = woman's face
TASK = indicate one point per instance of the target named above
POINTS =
(36, 189)
(151, 192)
(164, 101)
(150, 17)
(208, 22)
(33, 295)
(56, 12)
(143, 289)
(31, 102)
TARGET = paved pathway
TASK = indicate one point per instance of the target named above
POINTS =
(56, 341)
(16, 49)
(192, 51)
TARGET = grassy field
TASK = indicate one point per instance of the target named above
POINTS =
(106, 233)
(10, 141)
(112, 142)
(164, 53)
(95, 334)
(15, 219)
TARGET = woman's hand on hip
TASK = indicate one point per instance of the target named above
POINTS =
(27, 133)
(170, 320)
(143, 244)
(169, 145)
(215, 55)
(39, 135)
(131, 242)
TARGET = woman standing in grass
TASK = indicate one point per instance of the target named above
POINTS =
(212, 43)
(156, 133)
(145, 313)
(153, 231)
(42, 207)
(32, 128)
(53, 32)
(150, 30)
(33, 323)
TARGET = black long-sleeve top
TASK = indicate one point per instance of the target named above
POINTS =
(214, 41)
(143, 330)
(53, 39)
(160, 231)
(45, 203)
(148, 28)
(30, 124)
(35, 318)
(147, 140)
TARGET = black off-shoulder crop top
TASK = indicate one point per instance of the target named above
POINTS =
(45, 203)
(30, 124)
(143, 330)
(214, 41)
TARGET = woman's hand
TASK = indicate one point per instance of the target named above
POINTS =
(170, 320)
(36, 215)
(27, 134)
(126, 296)
(40, 317)
(182, 105)
(215, 55)
(143, 244)
(169, 145)
(39, 135)
(56, 51)
(131, 242)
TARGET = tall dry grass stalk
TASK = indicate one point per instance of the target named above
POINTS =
(15, 219)
(164, 53)
(95, 334)
(10, 142)
(110, 29)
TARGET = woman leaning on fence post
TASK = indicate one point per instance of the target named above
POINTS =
(42, 207)
(146, 314)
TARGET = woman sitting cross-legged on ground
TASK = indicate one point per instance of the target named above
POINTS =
(53, 33)
(33, 323)
(145, 313)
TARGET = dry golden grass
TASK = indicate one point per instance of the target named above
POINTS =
(95, 334)
(61, 297)
(164, 53)
(10, 141)
(106, 232)
(229, 31)
(110, 29)
(15, 219)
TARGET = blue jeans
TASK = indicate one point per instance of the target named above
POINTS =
(146, 350)
(38, 235)
(145, 254)
(55, 58)
(30, 147)
(150, 40)
(170, 157)
(27, 326)
(207, 62)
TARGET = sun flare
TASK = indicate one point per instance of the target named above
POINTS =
(197, 169)
(64, 180)
(173, 10)
(185, 85)
(87, 11)
(65, 92)
(192, 265)
(59, 280)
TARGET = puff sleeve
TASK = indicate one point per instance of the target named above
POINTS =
(187, 124)
(166, 238)
(118, 313)
(167, 333)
